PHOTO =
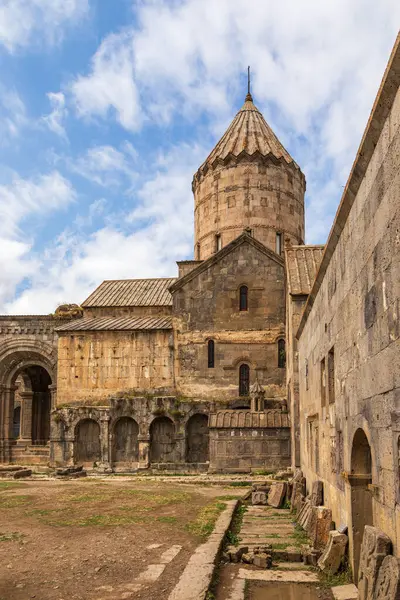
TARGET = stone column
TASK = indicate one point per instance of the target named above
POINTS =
(144, 451)
(105, 443)
(53, 396)
(25, 435)
(180, 447)
(6, 421)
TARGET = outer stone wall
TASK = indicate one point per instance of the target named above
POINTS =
(207, 307)
(356, 414)
(94, 365)
(259, 194)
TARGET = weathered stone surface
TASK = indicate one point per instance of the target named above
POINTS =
(304, 513)
(345, 592)
(317, 493)
(276, 496)
(248, 558)
(298, 494)
(375, 546)
(259, 498)
(22, 473)
(388, 582)
(322, 526)
(264, 561)
(334, 552)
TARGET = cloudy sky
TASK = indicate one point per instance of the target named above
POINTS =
(107, 107)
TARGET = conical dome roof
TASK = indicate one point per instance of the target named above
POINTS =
(248, 134)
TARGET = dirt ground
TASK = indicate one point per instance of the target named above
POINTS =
(92, 539)
(287, 591)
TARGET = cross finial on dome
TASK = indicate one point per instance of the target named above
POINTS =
(249, 97)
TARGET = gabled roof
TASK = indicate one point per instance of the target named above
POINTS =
(117, 324)
(302, 264)
(244, 238)
(131, 292)
(248, 134)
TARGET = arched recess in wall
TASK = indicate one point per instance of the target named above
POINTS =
(361, 499)
(281, 353)
(87, 442)
(125, 448)
(197, 439)
(162, 440)
(27, 371)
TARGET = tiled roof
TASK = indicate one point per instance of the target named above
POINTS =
(302, 264)
(117, 324)
(132, 292)
(250, 134)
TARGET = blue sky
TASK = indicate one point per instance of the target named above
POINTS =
(107, 108)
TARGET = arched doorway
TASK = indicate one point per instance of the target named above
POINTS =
(197, 439)
(162, 440)
(125, 441)
(87, 442)
(361, 499)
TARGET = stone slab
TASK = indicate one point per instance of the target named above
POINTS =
(345, 592)
(388, 582)
(277, 575)
(334, 552)
(375, 546)
(317, 493)
(277, 494)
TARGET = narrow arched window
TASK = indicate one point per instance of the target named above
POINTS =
(281, 354)
(244, 380)
(211, 354)
(243, 297)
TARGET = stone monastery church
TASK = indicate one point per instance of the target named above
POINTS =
(263, 353)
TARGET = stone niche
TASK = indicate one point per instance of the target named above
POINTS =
(242, 440)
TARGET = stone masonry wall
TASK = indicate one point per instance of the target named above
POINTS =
(260, 194)
(95, 364)
(356, 313)
(207, 307)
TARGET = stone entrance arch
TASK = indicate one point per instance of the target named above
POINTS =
(87, 442)
(197, 439)
(361, 498)
(162, 440)
(26, 391)
(125, 447)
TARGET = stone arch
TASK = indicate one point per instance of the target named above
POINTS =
(125, 444)
(27, 375)
(162, 440)
(197, 439)
(87, 442)
(361, 499)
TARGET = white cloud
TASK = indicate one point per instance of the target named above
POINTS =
(105, 165)
(54, 120)
(13, 117)
(24, 22)
(110, 86)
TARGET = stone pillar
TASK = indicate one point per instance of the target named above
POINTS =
(180, 448)
(6, 421)
(105, 443)
(53, 396)
(25, 435)
(144, 451)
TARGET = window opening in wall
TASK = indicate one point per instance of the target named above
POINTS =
(279, 243)
(281, 354)
(331, 376)
(211, 354)
(243, 297)
(197, 251)
(244, 380)
(306, 373)
(218, 242)
(323, 383)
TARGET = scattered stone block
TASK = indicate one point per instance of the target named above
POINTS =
(304, 513)
(322, 527)
(294, 554)
(247, 558)
(21, 473)
(276, 496)
(264, 561)
(258, 498)
(311, 557)
(345, 592)
(298, 494)
(317, 493)
(376, 545)
(333, 554)
(343, 528)
(388, 582)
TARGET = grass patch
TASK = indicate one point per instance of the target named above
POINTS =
(240, 484)
(7, 485)
(14, 501)
(343, 577)
(203, 525)
(232, 536)
(167, 519)
(11, 537)
(95, 521)
(300, 536)
(279, 545)
(227, 497)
